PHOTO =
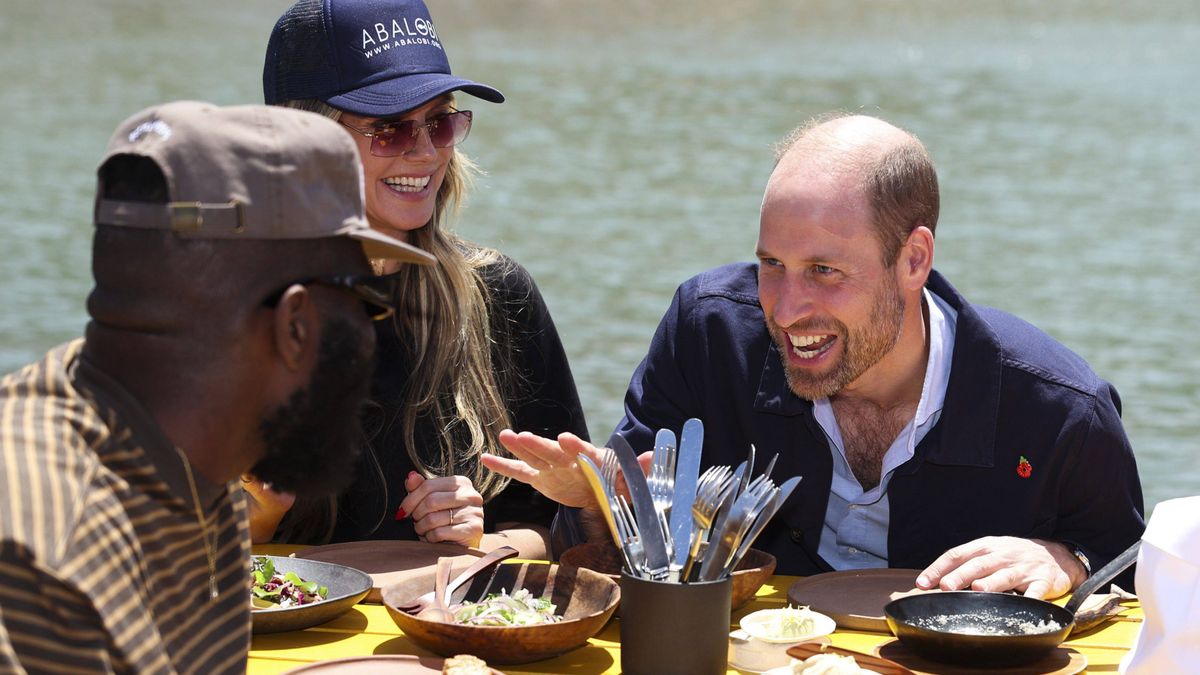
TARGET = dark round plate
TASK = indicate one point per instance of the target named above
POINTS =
(854, 598)
(346, 587)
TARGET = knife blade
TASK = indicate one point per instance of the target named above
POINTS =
(687, 474)
(749, 471)
(653, 543)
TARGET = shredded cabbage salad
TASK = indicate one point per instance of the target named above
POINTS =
(270, 590)
(502, 609)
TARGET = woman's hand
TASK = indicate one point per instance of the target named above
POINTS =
(445, 509)
(547, 465)
(267, 508)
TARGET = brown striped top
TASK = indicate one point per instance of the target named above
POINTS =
(103, 566)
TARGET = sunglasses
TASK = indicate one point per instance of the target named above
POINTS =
(389, 139)
(376, 292)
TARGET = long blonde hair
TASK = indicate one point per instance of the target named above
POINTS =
(444, 318)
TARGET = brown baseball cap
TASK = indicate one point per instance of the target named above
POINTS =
(249, 172)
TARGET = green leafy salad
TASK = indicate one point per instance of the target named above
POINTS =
(502, 609)
(271, 590)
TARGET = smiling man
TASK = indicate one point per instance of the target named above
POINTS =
(931, 433)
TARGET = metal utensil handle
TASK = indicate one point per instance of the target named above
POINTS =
(652, 540)
(1103, 576)
(687, 474)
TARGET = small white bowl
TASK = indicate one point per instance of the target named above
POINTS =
(758, 625)
(755, 656)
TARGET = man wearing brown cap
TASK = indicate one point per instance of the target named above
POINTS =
(228, 335)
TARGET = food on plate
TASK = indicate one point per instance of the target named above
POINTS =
(271, 590)
(502, 609)
(787, 624)
(465, 664)
(822, 664)
(987, 625)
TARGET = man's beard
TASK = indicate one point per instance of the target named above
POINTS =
(863, 347)
(312, 442)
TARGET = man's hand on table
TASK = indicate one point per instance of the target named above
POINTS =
(1035, 567)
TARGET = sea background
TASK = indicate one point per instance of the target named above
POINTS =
(636, 141)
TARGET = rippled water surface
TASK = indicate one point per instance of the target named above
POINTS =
(636, 142)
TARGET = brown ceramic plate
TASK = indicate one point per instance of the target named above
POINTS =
(391, 562)
(854, 598)
(396, 664)
(752, 571)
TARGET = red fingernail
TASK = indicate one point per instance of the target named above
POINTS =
(400, 514)
(411, 474)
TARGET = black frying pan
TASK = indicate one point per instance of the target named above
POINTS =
(991, 629)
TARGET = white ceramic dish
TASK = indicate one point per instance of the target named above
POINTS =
(751, 655)
(759, 625)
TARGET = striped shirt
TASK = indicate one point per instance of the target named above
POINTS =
(103, 563)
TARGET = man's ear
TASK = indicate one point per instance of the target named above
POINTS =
(916, 258)
(295, 326)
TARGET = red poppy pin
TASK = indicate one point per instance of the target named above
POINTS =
(1024, 468)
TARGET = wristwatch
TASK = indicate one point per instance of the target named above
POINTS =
(1083, 560)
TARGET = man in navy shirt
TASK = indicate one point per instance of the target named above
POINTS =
(931, 433)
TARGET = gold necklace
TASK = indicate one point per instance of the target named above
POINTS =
(208, 546)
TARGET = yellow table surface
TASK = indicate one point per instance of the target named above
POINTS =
(367, 629)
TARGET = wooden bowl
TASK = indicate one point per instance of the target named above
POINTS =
(585, 599)
(751, 573)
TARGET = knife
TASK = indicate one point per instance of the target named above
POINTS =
(765, 517)
(687, 474)
(749, 471)
(655, 546)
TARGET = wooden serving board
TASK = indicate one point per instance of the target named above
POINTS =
(390, 562)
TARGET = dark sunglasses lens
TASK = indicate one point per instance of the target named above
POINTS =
(392, 139)
(378, 295)
(376, 312)
(450, 129)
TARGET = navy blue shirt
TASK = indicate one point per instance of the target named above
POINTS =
(1029, 444)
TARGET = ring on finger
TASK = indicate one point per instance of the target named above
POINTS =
(451, 512)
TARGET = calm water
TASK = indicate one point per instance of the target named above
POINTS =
(636, 142)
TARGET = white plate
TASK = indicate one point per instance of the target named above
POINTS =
(755, 624)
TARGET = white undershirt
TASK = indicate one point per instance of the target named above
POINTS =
(856, 522)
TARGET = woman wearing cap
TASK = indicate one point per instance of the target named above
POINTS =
(472, 349)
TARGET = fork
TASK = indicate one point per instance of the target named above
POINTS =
(631, 542)
(711, 491)
(661, 482)
(608, 472)
(741, 516)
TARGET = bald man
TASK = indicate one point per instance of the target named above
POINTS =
(931, 433)
(227, 334)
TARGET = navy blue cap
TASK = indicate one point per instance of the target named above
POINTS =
(369, 57)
